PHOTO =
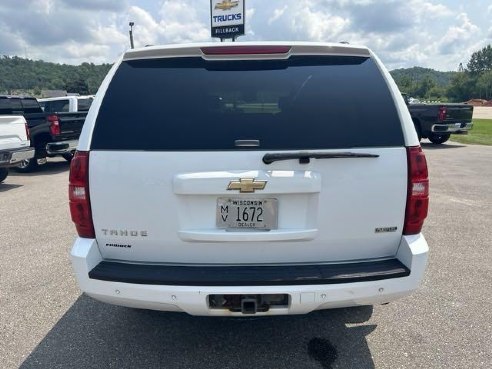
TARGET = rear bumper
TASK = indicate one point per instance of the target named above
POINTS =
(452, 128)
(402, 277)
(62, 147)
(11, 158)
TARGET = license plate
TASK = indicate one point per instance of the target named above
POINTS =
(244, 213)
(5, 157)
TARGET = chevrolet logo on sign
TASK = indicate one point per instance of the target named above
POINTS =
(226, 5)
(246, 185)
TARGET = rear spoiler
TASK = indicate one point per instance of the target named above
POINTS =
(206, 51)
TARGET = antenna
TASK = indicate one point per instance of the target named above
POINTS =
(131, 24)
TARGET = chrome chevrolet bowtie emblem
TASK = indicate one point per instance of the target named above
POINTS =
(226, 5)
(246, 185)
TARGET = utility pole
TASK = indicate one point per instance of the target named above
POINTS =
(131, 24)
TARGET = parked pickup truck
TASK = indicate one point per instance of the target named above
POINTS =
(66, 104)
(52, 134)
(14, 143)
(438, 121)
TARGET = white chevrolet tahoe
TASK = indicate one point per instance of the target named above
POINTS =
(14, 143)
(248, 179)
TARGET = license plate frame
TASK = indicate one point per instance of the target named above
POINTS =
(247, 210)
(5, 157)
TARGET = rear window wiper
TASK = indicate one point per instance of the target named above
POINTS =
(304, 157)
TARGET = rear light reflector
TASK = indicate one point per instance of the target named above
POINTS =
(28, 133)
(418, 191)
(78, 195)
(245, 50)
(54, 124)
(442, 114)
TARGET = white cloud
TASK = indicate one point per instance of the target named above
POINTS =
(250, 14)
(456, 36)
(404, 33)
(107, 35)
(277, 13)
(429, 10)
(182, 23)
(317, 25)
(146, 28)
(88, 51)
(43, 6)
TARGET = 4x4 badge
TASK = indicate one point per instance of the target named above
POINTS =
(246, 185)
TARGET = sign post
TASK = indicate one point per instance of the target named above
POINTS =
(227, 18)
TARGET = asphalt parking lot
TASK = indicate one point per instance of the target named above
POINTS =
(46, 323)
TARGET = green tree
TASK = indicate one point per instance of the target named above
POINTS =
(35, 75)
(461, 87)
(484, 84)
(424, 87)
(404, 83)
(480, 60)
(437, 93)
(78, 86)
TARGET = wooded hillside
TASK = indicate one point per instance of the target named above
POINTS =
(472, 82)
(18, 75)
(33, 76)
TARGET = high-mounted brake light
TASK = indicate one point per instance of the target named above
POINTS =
(245, 50)
(54, 124)
(418, 191)
(78, 195)
(442, 113)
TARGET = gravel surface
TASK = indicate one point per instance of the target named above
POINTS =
(46, 323)
(482, 112)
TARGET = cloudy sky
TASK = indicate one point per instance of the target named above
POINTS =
(432, 33)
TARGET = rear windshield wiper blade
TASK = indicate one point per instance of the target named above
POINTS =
(304, 157)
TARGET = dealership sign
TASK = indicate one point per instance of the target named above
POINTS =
(227, 18)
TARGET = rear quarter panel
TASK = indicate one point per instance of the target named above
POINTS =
(12, 132)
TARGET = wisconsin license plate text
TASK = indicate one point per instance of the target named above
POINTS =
(237, 213)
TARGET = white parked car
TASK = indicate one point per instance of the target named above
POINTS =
(14, 143)
(248, 179)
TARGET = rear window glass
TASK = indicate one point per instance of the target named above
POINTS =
(31, 106)
(10, 106)
(56, 106)
(305, 102)
(84, 104)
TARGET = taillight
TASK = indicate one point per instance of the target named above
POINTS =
(418, 191)
(78, 195)
(28, 133)
(245, 50)
(442, 113)
(54, 124)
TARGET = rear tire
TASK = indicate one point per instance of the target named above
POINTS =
(438, 139)
(419, 133)
(28, 165)
(68, 156)
(4, 172)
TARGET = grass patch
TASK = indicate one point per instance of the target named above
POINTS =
(481, 133)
